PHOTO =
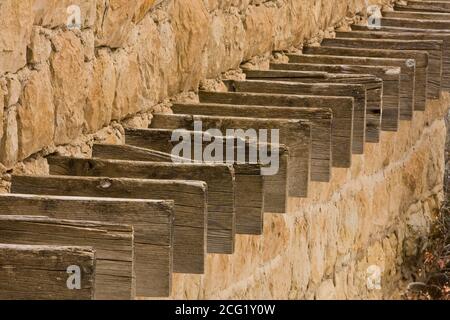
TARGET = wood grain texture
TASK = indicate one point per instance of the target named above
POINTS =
(416, 23)
(390, 76)
(248, 175)
(435, 6)
(372, 85)
(422, 15)
(341, 113)
(434, 49)
(113, 244)
(190, 197)
(410, 33)
(416, 70)
(219, 177)
(152, 221)
(320, 119)
(295, 134)
(275, 187)
(262, 105)
(247, 178)
(31, 272)
(391, 113)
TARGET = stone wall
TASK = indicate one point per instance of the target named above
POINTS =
(447, 158)
(61, 89)
(375, 215)
(57, 85)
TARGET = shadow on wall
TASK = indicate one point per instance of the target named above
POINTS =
(447, 158)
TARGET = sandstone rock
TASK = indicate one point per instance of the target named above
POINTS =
(59, 13)
(69, 86)
(155, 60)
(142, 7)
(36, 114)
(226, 42)
(88, 41)
(326, 291)
(114, 22)
(190, 24)
(9, 144)
(16, 21)
(99, 103)
(14, 89)
(128, 86)
(40, 47)
(259, 27)
(2, 104)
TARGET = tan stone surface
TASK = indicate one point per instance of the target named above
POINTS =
(16, 21)
(35, 114)
(69, 80)
(129, 57)
(2, 103)
(376, 214)
(9, 144)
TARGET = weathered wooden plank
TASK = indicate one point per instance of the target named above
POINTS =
(340, 109)
(410, 63)
(310, 108)
(319, 118)
(276, 185)
(247, 178)
(249, 205)
(295, 134)
(410, 33)
(113, 244)
(41, 272)
(445, 38)
(422, 15)
(416, 23)
(219, 177)
(434, 49)
(407, 80)
(189, 231)
(390, 76)
(372, 85)
(151, 219)
(422, 6)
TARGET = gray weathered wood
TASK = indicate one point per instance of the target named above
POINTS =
(423, 15)
(320, 123)
(416, 23)
(247, 178)
(435, 6)
(434, 49)
(30, 272)
(390, 76)
(341, 111)
(372, 84)
(410, 33)
(272, 201)
(295, 134)
(249, 205)
(152, 221)
(391, 112)
(327, 149)
(189, 240)
(113, 244)
(410, 62)
(219, 177)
